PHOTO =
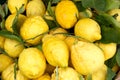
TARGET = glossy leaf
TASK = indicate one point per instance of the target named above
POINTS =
(110, 74)
(79, 6)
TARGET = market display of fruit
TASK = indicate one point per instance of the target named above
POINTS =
(60, 40)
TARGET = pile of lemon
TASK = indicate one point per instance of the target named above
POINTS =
(63, 56)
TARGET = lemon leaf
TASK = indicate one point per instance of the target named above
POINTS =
(111, 62)
(39, 46)
(110, 74)
(10, 35)
(55, 1)
(2, 24)
(15, 69)
(118, 56)
(2, 13)
(2, 1)
(89, 77)
(79, 6)
(6, 9)
(2, 51)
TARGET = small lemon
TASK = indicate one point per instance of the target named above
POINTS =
(109, 49)
(32, 29)
(101, 74)
(35, 8)
(32, 62)
(56, 52)
(85, 14)
(59, 32)
(13, 4)
(67, 73)
(115, 68)
(86, 57)
(45, 76)
(10, 19)
(13, 47)
(2, 40)
(5, 61)
(8, 74)
(88, 29)
(114, 12)
(66, 14)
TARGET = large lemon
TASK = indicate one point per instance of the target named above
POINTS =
(13, 47)
(5, 61)
(88, 29)
(2, 40)
(10, 19)
(109, 49)
(32, 62)
(32, 29)
(13, 4)
(114, 12)
(56, 52)
(8, 74)
(67, 73)
(35, 7)
(66, 14)
(86, 57)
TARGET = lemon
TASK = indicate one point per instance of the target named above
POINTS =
(114, 12)
(10, 19)
(86, 57)
(35, 8)
(115, 68)
(66, 14)
(13, 47)
(13, 4)
(67, 73)
(32, 62)
(8, 74)
(88, 29)
(86, 14)
(45, 76)
(56, 52)
(32, 29)
(101, 74)
(59, 32)
(5, 61)
(2, 40)
(109, 49)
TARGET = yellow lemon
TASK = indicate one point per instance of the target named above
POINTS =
(8, 74)
(32, 29)
(101, 74)
(56, 52)
(35, 8)
(2, 40)
(45, 76)
(86, 57)
(67, 73)
(88, 29)
(114, 12)
(13, 47)
(66, 14)
(109, 49)
(5, 61)
(59, 32)
(32, 62)
(10, 19)
(13, 4)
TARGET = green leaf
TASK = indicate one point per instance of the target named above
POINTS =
(2, 24)
(79, 6)
(111, 62)
(55, 1)
(110, 74)
(15, 69)
(2, 51)
(118, 56)
(96, 4)
(6, 9)
(89, 77)
(2, 13)
(81, 77)
(112, 4)
(10, 35)
(39, 46)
